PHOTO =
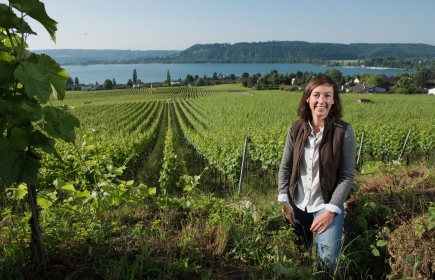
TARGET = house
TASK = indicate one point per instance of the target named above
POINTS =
(155, 85)
(298, 80)
(302, 87)
(344, 88)
(431, 91)
(356, 80)
(120, 86)
(86, 88)
(422, 90)
(366, 89)
(284, 87)
(175, 84)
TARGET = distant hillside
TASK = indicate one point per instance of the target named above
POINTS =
(296, 51)
(79, 56)
(261, 52)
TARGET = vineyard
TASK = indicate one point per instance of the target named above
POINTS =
(142, 183)
(216, 120)
(197, 136)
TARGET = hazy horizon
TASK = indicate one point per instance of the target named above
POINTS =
(178, 25)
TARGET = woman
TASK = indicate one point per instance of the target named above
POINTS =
(317, 169)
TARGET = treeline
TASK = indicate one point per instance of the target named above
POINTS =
(403, 56)
(80, 56)
(297, 52)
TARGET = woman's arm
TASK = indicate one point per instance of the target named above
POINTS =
(346, 169)
(285, 169)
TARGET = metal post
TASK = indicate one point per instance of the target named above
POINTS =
(243, 165)
(404, 145)
(36, 225)
(360, 148)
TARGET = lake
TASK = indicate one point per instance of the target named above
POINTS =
(157, 72)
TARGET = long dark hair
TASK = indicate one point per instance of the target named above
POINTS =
(304, 110)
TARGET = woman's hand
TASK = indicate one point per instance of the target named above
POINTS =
(288, 214)
(322, 222)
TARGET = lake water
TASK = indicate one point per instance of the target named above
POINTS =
(157, 72)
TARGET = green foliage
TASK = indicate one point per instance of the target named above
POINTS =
(27, 81)
(108, 84)
(134, 76)
(297, 52)
(168, 173)
(335, 74)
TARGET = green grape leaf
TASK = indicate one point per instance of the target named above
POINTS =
(9, 20)
(6, 68)
(19, 138)
(35, 81)
(40, 140)
(60, 124)
(43, 202)
(18, 192)
(65, 187)
(19, 168)
(58, 76)
(21, 108)
(83, 195)
(381, 243)
(36, 10)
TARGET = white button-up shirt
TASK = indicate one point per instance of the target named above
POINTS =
(309, 193)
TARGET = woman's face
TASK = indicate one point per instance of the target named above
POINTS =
(320, 101)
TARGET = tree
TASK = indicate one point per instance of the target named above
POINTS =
(69, 82)
(374, 80)
(168, 77)
(335, 74)
(108, 84)
(134, 77)
(245, 75)
(29, 124)
(215, 76)
(403, 86)
(188, 79)
(200, 82)
(421, 77)
(76, 81)
(130, 83)
(113, 82)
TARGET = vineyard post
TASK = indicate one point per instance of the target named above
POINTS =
(35, 224)
(360, 148)
(404, 145)
(243, 164)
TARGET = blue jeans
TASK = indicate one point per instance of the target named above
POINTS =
(328, 243)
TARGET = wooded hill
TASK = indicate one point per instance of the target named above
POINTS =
(296, 52)
(261, 52)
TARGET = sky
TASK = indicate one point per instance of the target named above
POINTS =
(177, 25)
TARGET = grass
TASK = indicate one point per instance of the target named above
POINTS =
(199, 235)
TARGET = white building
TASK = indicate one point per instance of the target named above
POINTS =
(431, 91)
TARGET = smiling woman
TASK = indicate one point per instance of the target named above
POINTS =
(317, 169)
